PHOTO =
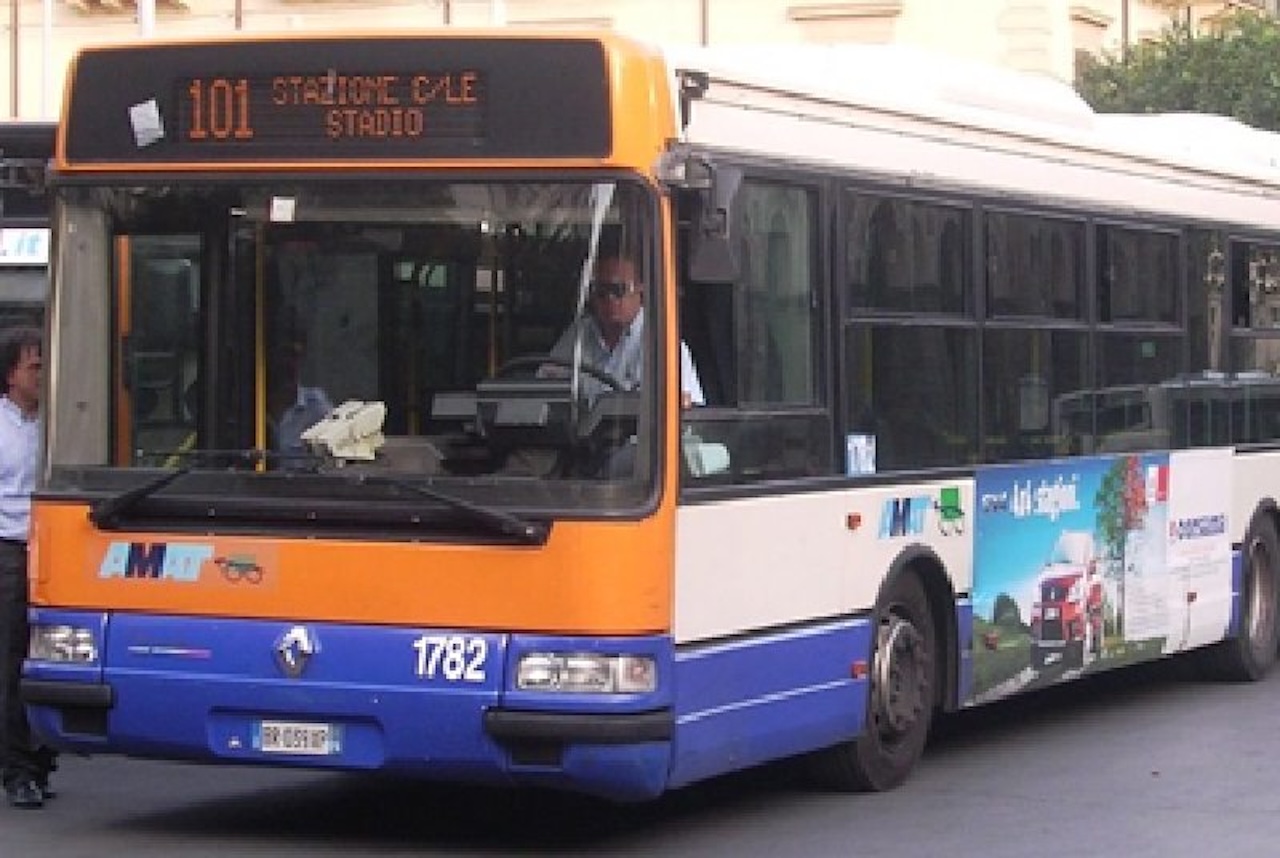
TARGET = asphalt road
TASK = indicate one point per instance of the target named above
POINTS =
(1144, 763)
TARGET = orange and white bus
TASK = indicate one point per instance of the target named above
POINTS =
(432, 555)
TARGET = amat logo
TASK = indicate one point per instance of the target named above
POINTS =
(904, 516)
(161, 560)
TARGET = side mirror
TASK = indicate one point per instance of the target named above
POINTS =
(711, 254)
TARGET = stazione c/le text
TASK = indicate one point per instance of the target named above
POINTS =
(374, 106)
(385, 90)
(351, 106)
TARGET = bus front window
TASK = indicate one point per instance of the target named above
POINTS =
(455, 327)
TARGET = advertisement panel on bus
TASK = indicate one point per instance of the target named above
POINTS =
(1091, 563)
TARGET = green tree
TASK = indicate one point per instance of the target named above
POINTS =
(1121, 507)
(1110, 517)
(1005, 612)
(1231, 71)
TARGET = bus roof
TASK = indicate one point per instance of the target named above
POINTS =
(906, 113)
(897, 77)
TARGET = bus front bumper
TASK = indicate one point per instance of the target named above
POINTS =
(364, 704)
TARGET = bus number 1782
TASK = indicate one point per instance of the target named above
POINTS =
(454, 658)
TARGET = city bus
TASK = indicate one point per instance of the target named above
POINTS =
(488, 559)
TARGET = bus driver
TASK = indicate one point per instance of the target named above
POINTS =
(612, 331)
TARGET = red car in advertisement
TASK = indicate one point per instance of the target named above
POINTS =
(1066, 618)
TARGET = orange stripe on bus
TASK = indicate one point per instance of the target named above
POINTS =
(591, 577)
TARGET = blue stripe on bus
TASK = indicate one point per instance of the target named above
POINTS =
(762, 698)
(1237, 592)
(964, 643)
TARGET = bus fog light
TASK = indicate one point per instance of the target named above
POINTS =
(66, 644)
(587, 673)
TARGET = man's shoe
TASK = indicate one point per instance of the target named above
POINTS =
(45, 790)
(25, 794)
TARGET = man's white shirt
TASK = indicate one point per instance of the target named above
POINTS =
(625, 361)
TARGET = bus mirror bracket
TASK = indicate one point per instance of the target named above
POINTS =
(711, 253)
(692, 86)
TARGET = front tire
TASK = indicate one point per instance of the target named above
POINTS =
(900, 700)
(1249, 655)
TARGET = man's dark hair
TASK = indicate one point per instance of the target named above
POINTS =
(14, 343)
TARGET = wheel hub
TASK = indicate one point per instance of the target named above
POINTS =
(900, 677)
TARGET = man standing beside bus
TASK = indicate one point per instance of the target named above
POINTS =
(26, 767)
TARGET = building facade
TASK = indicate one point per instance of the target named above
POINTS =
(40, 36)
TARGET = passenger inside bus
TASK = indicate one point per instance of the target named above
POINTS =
(292, 407)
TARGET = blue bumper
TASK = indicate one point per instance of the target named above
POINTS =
(434, 703)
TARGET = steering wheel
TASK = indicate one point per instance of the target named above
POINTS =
(601, 375)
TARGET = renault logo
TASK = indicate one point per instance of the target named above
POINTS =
(294, 650)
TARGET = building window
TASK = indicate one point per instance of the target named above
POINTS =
(865, 21)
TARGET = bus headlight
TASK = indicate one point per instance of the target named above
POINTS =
(64, 644)
(587, 672)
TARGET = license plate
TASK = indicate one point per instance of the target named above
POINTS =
(291, 737)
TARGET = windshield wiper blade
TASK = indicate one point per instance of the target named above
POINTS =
(528, 532)
(231, 457)
(107, 512)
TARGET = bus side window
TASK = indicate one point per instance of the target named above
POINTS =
(755, 344)
(706, 327)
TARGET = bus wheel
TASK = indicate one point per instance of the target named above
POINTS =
(1249, 655)
(900, 700)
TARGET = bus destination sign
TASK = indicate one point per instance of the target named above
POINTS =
(334, 105)
(256, 102)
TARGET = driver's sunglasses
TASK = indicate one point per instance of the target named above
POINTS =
(612, 288)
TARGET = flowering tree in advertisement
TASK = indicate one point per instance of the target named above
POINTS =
(1122, 509)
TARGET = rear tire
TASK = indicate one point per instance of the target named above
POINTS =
(900, 699)
(1249, 656)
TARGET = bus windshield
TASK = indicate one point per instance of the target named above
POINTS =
(296, 338)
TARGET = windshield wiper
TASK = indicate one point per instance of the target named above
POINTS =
(530, 533)
(232, 457)
(107, 512)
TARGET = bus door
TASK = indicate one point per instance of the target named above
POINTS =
(157, 284)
